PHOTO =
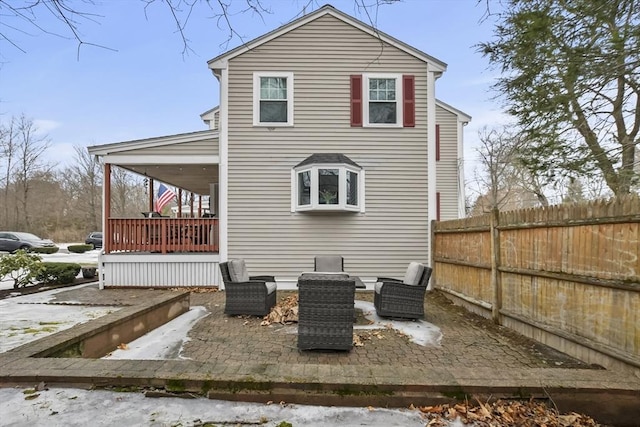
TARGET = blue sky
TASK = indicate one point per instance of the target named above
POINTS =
(142, 86)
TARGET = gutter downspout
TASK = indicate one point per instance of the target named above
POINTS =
(462, 208)
(432, 75)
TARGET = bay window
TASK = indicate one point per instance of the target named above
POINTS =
(320, 185)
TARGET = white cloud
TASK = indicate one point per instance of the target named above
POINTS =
(44, 126)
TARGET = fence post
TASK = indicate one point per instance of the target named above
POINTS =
(496, 279)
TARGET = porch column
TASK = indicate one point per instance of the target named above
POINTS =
(107, 234)
(179, 202)
(106, 188)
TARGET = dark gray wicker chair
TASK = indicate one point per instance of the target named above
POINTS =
(250, 297)
(328, 263)
(325, 312)
(394, 298)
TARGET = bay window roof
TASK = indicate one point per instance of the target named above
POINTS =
(327, 158)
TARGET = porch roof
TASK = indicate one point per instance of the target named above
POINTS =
(188, 161)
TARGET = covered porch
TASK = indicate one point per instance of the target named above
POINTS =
(180, 248)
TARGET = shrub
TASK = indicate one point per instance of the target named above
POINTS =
(79, 249)
(58, 273)
(21, 266)
(51, 250)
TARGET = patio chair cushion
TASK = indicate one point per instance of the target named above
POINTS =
(271, 287)
(238, 271)
(413, 274)
(378, 287)
(328, 263)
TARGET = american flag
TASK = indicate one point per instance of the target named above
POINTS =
(165, 196)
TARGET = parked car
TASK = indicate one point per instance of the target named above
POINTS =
(95, 239)
(11, 241)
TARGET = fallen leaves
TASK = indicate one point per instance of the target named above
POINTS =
(360, 337)
(196, 289)
(285, 312)
(123, 346)
(503, 413)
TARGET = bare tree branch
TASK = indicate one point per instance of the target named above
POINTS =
(71, 17)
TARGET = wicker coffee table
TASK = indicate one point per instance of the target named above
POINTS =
(359, 283)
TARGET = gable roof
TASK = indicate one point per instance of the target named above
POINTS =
(210, 112)
(220, 61)
(462, 116)
(210, 115)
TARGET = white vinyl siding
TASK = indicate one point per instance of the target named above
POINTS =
(447, 166)
(261, 227)
(159, 270)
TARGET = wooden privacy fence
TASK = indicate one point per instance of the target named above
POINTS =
(567, 275)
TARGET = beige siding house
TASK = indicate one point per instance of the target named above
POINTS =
(328, 140)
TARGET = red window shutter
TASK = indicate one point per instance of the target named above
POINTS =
(437, 142)
(438, 206)
(356, 100)
(409, 100)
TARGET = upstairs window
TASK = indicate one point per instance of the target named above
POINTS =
(273, 99)
(382, 96)
(382, 100)
(327, 182)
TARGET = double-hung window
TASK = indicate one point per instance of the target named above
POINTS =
(272, 99)
(383, 100)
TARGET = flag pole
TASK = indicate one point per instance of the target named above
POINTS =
(151, 193)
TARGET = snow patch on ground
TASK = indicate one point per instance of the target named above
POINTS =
(419, 332)
(27, 318)
(73, 407)
(164, 342)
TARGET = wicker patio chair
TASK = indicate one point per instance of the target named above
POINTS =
(252, 295)
(328, 263)
(325, 312)
(402, 298)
